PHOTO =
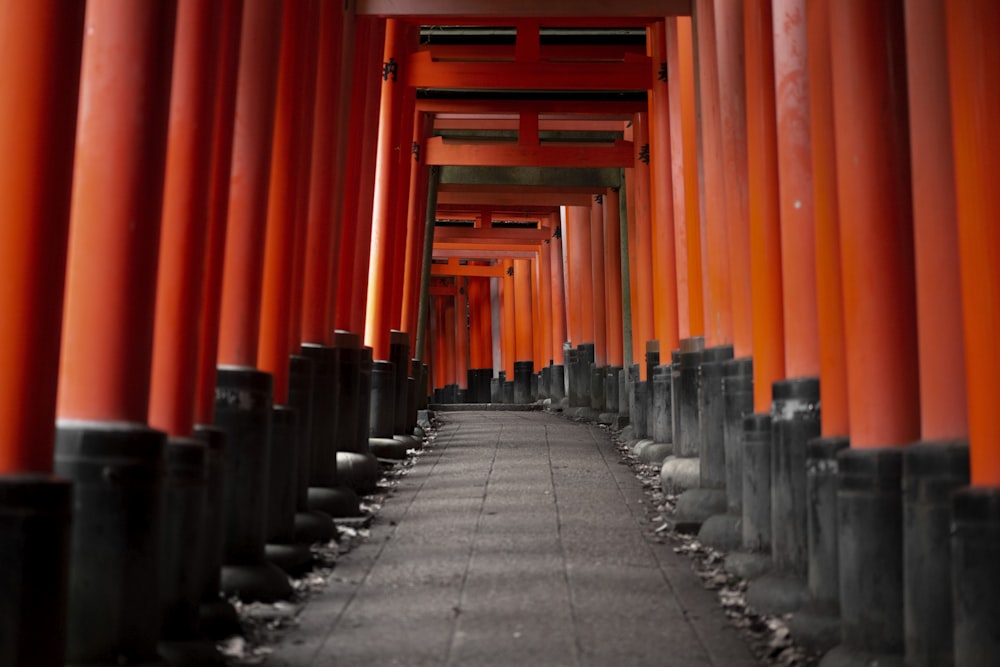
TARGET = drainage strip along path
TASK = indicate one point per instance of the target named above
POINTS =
(518, 538)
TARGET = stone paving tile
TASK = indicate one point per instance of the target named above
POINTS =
(516, 540)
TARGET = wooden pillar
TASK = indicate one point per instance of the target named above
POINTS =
(545, 303)
(558, 309)
(765, 220)
(416, 226)
(715, 251)
(522, 305)
(613, 275)
(830, 312)
(664, 263)
(579, 303)
(289, 183)
(875, 222)
(181, 265)
(461, 348)
(116, 210)
(974, 69)
(642, 308)
(223, 117)
(940, 340)
(598, 281)
(732, 104)
(507, 301)
(248, 191)
(38, 106)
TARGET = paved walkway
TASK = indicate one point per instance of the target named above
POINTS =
(518, 539)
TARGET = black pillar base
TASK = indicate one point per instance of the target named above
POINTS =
(383, 400)
(544, 382)
(870, 555)
(688, 441)
(611, 389)
(584, 359)
(313, 526)
(975, 552)
(557, 382)
(712, 416)
(522, 381)
(757, 482)
(292, 558)
(640, 417)
(256, 582)
(399, 355)
(114, 554)
(359, 471)
(508, 391)
(597, 399)
(34, 548)
(389, 448)
(338, 502)
(659, 419)
(737, 393)
(282, 478)
(191, 653)
(495, 391)
(570, 355)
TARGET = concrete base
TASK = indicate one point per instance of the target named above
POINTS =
(679, 474)
(815, 628)
(619, 422)
(656, 452)
(358, 471)
(217, 619)
(777, 593)
(409, 440)
(256, 583)
(694, 506)
(291, 558)
(722, 531)
(336, 502)
(627, 433)
(843, 656)
(606, 418)
(388, 448)
(190, 654)
(748, 565)
(314, 526)
(639, 444)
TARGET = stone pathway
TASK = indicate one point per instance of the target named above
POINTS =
(518, 539)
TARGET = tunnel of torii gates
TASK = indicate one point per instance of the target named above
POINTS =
(244, 243)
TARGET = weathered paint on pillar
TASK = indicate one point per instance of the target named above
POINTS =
(798, 238)
(642, 274)
(522, 305)
(876, 234)
(378, 314)
(940, 340)
(687, 214)
(765, 219)
(715, 248)
(289, 182)
(38, 106)
(248, 191)
(665, 302)
(598, 281)
(833, 370)
(324, 222)
(107, 335)
(732, 103)
(613, 275)
(974, 68)
(187, 186)
(223, 117)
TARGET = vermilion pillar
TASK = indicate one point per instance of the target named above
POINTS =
(385, 228)
(185, 217)
(545, 303)
(406, 170)
(581, 277)
(448, 350)
(715, 252)
(830, 311)
(289, 183)
(642, 274)
(509, 319)
(417, 226)
(875, 222)
(684, 146)
(38, 103)
(613, 275)
(661, 194)
(460, 351)
(223, 115)
(974, 68)
(635, 340)
(598, 281)
(765, 227)
(522, 306)
(732, 103)
(324, 220)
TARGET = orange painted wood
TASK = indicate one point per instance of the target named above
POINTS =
(694, 237)
(509, 319)
(580, 288)
(124, 106)
(798, 238)
(537, 330)
(417, 226)
(527, 129)
(765, 214)
(943, 409)
(523, 321)
(38, 107)
(643, 313)
(544, 292)
(718, 292)
(181, 265)
(833, 370)
(509, 122)
(490, 234)
(974, 68)
(633, 260)
(558, 295)
(875, 222)
(672, 63)
(631, 74)
(561, 108)
(474, 12)
(613, 276)
(598, 281)
(405, 173)
(495, 271)
(732, 104)
(288, 184)
(438, 379)
(223, 117)
(450, 347)
(665, 326)
(461, 348)
(524, 196)
(555, 52)
(325, 225)
(443, 151)
(378, 313)
(248, 192)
